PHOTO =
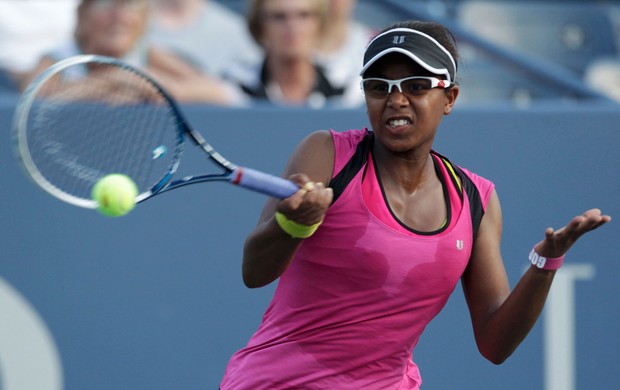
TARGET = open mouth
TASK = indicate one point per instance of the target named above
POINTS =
(399, 122)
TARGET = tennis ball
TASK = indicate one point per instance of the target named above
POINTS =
(115, 195)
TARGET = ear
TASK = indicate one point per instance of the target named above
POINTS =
(451, 95)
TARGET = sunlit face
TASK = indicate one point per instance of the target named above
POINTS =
(406, 121)
(111, 27)
(291, 29)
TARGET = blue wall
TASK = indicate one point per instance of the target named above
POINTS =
(155, 300)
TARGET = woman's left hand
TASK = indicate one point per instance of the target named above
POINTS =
(558, 242)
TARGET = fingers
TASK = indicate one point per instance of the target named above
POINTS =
(549, 232)
(590, 220)
(558, 242)
(300, 179)
(309, 204)
(595, 218)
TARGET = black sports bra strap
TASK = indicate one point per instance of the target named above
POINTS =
(360, 157)
(339, 182)
(476, 209)
(467, 187)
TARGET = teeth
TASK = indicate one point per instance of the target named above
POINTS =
(399, 122)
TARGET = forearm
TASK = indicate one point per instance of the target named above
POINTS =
(502, 318)
(508, 326)
(270, 247)
(267, 253)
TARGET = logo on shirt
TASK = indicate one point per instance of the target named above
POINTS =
(460, 244)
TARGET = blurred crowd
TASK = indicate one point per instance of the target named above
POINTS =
(296, 53)
(293, 53)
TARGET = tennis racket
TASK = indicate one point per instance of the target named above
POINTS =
(89, 116)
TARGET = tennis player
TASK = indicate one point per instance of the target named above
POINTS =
(365, 262)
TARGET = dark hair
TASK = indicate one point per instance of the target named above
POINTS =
(436, 30)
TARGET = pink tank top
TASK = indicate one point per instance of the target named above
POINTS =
(350, 308)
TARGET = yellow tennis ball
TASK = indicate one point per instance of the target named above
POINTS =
(115, 195)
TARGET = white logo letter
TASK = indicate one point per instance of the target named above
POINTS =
(398, 39)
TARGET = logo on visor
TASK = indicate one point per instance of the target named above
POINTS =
(398, 39)
(441, 84)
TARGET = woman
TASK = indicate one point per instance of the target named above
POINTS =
(366, 262)
(113, 28)
(288, 33)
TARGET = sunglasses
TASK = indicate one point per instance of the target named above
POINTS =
(280, 17)
(378, 88)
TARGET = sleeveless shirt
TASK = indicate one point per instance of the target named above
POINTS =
(350, 308)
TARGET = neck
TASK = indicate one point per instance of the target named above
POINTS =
(408, 172)
(295, 77)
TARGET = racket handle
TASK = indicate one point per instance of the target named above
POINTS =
(265, 183)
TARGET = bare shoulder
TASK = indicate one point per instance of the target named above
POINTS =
(314, 156)
(318, 139)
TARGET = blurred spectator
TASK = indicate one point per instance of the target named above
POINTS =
(29, 28)
(116, 28)
(202, 32)
(341, 51)
(289, 33)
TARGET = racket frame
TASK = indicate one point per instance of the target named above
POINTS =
(245, 177)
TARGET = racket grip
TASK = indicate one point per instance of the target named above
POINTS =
(264, 183)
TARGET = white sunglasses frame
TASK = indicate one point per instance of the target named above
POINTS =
(435, 83)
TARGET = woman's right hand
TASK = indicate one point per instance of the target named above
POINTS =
(308, 205)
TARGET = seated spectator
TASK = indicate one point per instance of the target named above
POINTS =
(28, 29)
(202, 32)
(341, 51)
(288, 32)
(116, 28)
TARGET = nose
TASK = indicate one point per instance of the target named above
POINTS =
(396, 98)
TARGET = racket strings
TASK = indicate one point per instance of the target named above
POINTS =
(109, 120)
(154, 140)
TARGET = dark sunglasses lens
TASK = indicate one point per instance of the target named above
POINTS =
(376, 88)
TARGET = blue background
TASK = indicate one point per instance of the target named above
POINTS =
(155, 300)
